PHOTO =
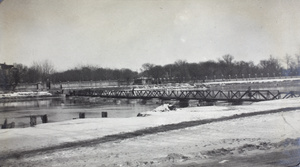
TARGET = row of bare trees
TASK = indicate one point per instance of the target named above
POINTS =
(91, 73)
(225, 68)
(292, 64)
(12, 76)
(179, 71)
(44, 71)
(37, 72)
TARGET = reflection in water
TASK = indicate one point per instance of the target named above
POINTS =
(61, 109)
(36, 103)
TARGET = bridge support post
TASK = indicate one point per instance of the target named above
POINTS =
(44, 118)
(144, 101)
(117, 101)
(104, 114)
(81, 115)
(4, 126)
(183, 103)
(7, 125)
(32, 121)
(237, 102)
(206, 103)
(201, 103)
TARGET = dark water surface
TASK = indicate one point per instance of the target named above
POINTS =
(62, 108)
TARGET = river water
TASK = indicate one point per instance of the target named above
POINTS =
(62, 108)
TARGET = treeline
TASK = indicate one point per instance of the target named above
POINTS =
(37, 72)
(180, 71)
(90, 73)
(43, 71)
(224, 68)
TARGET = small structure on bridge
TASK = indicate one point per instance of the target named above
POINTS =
(143, 81)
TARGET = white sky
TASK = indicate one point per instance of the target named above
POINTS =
(129, 33)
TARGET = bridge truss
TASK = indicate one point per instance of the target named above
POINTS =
(202, 95)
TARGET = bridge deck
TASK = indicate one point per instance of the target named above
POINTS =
(204, 95)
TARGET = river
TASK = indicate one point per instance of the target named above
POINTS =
(62, 108)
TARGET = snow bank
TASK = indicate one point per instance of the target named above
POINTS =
(252, 81)
(163, 108)
(25, 94)
(51, 134)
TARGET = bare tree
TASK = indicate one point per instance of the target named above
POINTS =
(288, 60)
(43, 70)
(47, 69)
(182, 72)
(228, 59)
(270, 65)
(297, 56)
(146, 68)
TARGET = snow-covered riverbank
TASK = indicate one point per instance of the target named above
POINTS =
(188, 141)
(25, 94)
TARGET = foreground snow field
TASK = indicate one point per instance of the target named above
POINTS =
(192, 144)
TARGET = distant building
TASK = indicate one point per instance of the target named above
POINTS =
(5, 76)
(5, 66)
(5, 69)
(143, 81)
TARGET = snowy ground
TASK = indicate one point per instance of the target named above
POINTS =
(24, 94)
(253, 80)
(198, 144)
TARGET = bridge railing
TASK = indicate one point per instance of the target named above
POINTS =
(206, 95)
(291, 94)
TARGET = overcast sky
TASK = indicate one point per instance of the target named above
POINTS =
(129, 33)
